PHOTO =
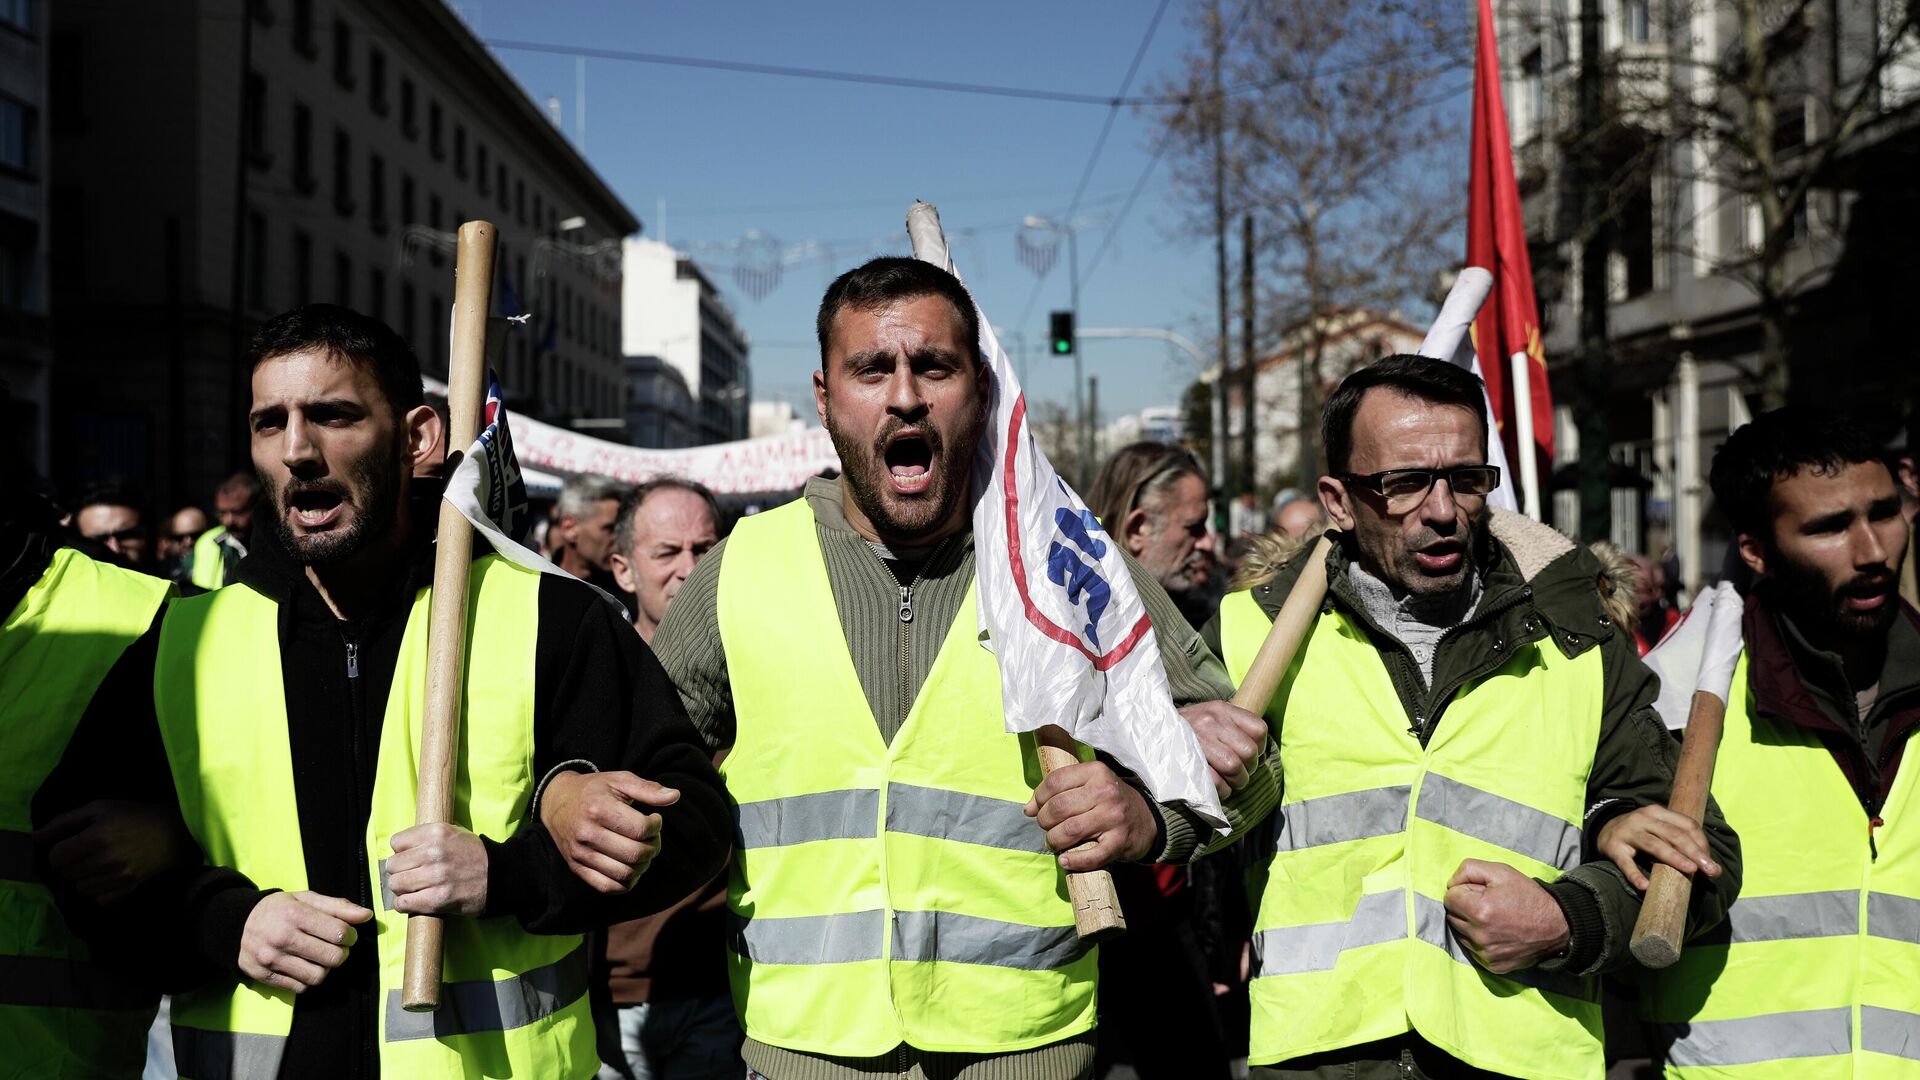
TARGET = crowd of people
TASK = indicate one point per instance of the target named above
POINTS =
(764, 816)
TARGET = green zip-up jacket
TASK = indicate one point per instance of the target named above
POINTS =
(892, 663)
(1536, 585)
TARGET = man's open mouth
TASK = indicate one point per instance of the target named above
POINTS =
(314, 508)
(1441, 558)
(909, 459)
(1867, 596)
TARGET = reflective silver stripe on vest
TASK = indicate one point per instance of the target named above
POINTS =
(1498, 820)
(467, 1008)
(226, 1055)
(1890, 1031)
(921, 936)
(1795, 915)
(49, 982)
(1336, 819)
(968, 819)
(852, 814)
(1893, 917)
(811, 939)
(16, 856)
(1430, 926)
(1752, 1039)
(1297, 950)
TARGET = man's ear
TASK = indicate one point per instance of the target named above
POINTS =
(1333, 500)
(623, 572)
(1752, 552)
(820, 394)
(1135, 531)
(426, 441)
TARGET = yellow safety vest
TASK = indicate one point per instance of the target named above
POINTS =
(512, 1003)
(209, 559)
(1351, 927)
(882, 894)
(1816, 972)
(59, 1015)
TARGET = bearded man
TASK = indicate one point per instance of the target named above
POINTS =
(898, 898)
(1814, 971)
(289, 704)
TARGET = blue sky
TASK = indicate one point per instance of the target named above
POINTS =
(837, 163)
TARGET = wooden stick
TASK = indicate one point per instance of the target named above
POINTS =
(1661, 928)
(447, 615)
(1290, 628)
(1096, 906)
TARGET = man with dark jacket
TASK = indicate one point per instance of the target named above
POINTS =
(289, 705)
(1815, 971)
(1456, 733)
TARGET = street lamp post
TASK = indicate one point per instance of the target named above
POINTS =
(1071, 230)
(1219, 440)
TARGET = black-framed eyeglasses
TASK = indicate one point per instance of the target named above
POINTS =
(1405, 489)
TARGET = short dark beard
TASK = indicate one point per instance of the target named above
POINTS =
(864, 472)
(1820, 613)
(377, 479)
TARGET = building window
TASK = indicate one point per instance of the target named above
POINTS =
(377, 192)
(539, 209)
(342, 279)
(566, 313)
(1637, 21)
(439, 319)
(500, 185)
(343, 172)
(377, 294)
(407, 206)
(460, 151)
(409, 120)
(409, 316)
(342, 54)
(17, 14)
(1533, 84)
(433, 222)
(303, 42)
(520, 201)
(377, 81)
(435, 144)
(17, 124)
(303, 178)
(480, 154)
(255, 107)
(302, 267)
(257, 260)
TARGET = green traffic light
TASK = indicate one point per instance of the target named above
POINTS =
(1063, 346)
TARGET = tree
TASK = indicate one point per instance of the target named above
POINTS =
(1329, 137)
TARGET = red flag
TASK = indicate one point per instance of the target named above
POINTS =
(1509, 323)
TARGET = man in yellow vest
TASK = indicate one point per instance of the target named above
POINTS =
(217, 552)
(290, 705)
(77, 641)
(1460, 727)
(1816, 972)
(898, 905)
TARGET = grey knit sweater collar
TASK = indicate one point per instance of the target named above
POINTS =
(1418, 622)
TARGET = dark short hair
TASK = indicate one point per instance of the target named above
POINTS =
(347, 335)
(879, 282)
(630, 506)
(1780, 444)
(111, 493)
(1438, 382)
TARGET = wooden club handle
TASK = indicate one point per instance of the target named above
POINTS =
(1096, 907)
(1290, 628)
(447, 614)
(1661, 928)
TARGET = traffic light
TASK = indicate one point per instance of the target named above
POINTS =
(1062, 333)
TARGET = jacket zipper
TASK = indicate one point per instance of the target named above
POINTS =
(905, 614)
(1421, 727)
(353, 660)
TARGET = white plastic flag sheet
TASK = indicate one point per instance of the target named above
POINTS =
(1057, 606)
(487, 489)
(1699, 653)
(1451, 338)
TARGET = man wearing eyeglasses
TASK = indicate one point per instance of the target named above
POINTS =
(1460, 726)
(109, 514)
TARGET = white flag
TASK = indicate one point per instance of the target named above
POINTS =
(1057, 605)
(1452, 339)
(1698, 653)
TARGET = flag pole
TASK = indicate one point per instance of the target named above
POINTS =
(1523, 420)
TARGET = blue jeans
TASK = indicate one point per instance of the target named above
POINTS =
(682, 1039)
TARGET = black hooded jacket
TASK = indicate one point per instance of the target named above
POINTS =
(599, 696)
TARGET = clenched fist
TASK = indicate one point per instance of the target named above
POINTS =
(1087, 802)
(605, 841)
(1506, 919)
(1231, 737)
(438, 869)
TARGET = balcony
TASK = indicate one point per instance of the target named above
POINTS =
(1640, 85)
